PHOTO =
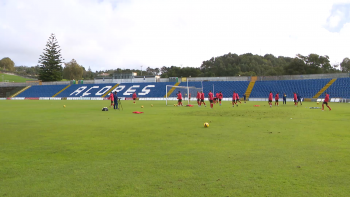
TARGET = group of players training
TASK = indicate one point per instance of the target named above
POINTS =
(213, 100)
(297, 99)
(235, 99)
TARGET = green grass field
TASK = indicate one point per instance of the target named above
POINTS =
(13, 78)
(48, 150)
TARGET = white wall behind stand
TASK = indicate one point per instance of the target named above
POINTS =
(243, 78)
(135, 80)
(142, 80)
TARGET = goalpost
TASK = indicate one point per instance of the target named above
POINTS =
(200, 83)
(188, 93)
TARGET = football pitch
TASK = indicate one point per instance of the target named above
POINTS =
(49, 150)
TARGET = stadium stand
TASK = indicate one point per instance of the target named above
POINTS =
(324, 88)
(226, 87)
(306, 88)
(149, 90)
(250, 86)
(41, 91)
(339, 89)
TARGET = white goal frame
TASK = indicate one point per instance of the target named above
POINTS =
(185, 88)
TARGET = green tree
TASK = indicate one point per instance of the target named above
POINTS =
(317, 64)
(72, 70)
(345, 65)
(152, 71)
(7, 64)
(295, 67)
(88, 74)
(175, 71)
(250, 73)
(270, 72)
(27, 71)
(50, 62)
(246, 65)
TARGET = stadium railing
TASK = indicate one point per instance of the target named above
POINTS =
(55, 83)
(301, 77)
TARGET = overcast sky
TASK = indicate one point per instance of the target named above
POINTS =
(110, 34)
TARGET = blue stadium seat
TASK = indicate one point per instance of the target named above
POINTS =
(226, 87)
(306, 88)
(41, 91)
(339, 89)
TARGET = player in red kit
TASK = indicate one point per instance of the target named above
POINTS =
(198, 98)
(276, 98)
(211, 99)
(295, 99)
(237, 97)
(111, 97)
(220, 97)
(202, 99)
(134, 96)
(216, 98)
(179, 99)
(234, 98)
(326, 100)
(270, 99)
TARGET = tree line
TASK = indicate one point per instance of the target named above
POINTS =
(50, 66)
(256, 65)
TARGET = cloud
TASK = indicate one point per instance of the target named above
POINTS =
(107, 34)
(340, 15)
(334, 20)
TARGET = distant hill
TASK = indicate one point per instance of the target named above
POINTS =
(13, 78)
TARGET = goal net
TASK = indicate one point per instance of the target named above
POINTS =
(188, 94)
